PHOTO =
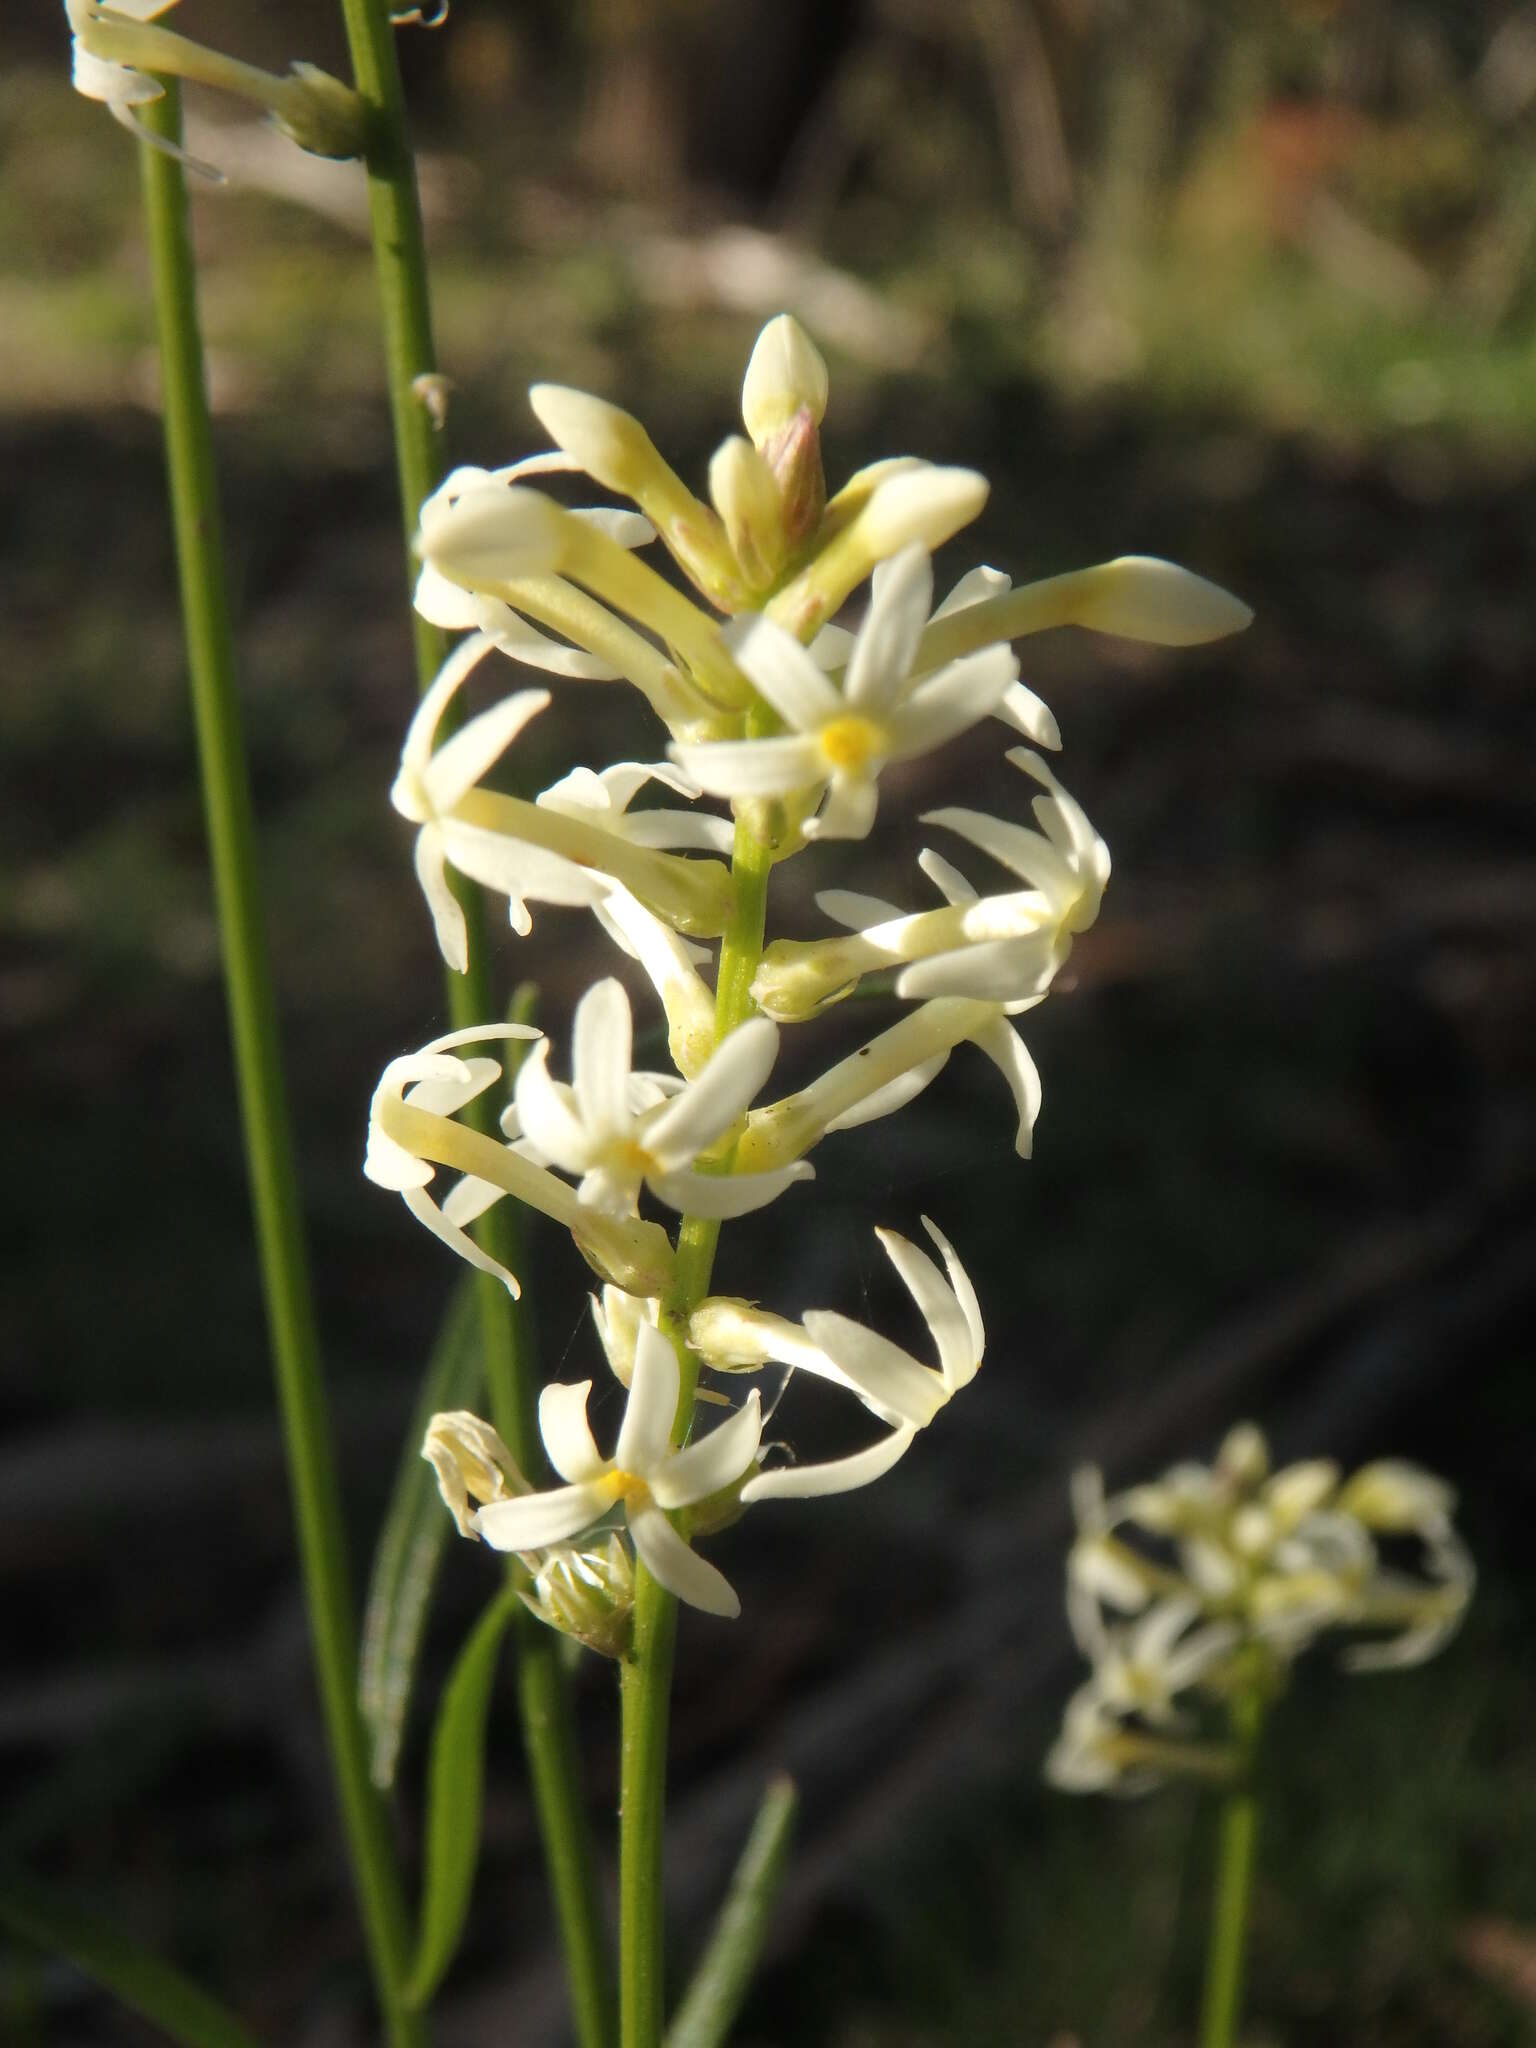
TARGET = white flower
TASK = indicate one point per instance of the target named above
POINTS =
(594, 1129)
(1005, 949)
(888, 1380)
(605, 798)
(844, 738)
(433, 780)
(1143, 1666)
(411, 1132)
(645, 1477)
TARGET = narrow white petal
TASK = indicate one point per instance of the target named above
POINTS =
(878, 1368)
(416, 753)
(389, 1165)
(444, 604)
(1143, 598)
(1030, 855)
(971, 589)
(939, 1308)
(568, 1435)
(447, 913)
(848, 812)
(673, 1564)
(831, 647)
(771, 767)
(602, 1038)
(733, 1074)
(855, 912)
(1004, 1047)
(516, 869)
(723, 1195)
(680, 831)
(548, 1117)
(893, 1096)
(713, 1462)
(533, 1521)
(1030, 715)
(495, 534)
(629, 529)
(942, 705)
(945, 877)
(900, 594)
(469, 1198)
(460, 762)
(960, 1281)
(995, 971)
(784, 673)
(456, 1082)
(837, 1475)
(519, 641)
(426, 1212)
(645, 1436)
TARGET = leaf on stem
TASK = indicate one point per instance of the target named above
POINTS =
(455, 1782)
(50, 1920)
(720, 1982)
(412, 1541)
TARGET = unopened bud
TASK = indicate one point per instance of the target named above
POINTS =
(588, 1594)
(618, 1317)
(1243, 1460)
(1139, 597)
(786, 373)
(746, 496)
(471, 1463)
(493, 534)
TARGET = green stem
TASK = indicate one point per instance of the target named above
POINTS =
(548, 1732)
(645, 1685)
(1237, 1830)
(258, 1064)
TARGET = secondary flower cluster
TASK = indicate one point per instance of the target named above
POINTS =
(794, 720)
(1235, 1571)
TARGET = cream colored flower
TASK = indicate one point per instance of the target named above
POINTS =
(843, 738)
(645, 1479)
(593, 1128)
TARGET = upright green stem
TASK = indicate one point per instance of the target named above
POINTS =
(646, 1678)
(1237, 1830)
(543, 1698)
(258, 1065)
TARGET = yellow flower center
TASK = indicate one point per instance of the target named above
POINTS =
(627, 1487)
(852, 742)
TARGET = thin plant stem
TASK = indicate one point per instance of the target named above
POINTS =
(645, 1684)
(258, 1066)
(1237, 1830)
(543, 1696)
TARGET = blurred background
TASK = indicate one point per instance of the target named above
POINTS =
(1253, 287)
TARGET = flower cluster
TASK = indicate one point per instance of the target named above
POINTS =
(771, 706)
(1237, 1570)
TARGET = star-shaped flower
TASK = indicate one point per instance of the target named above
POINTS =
(843, 738)
(646, 1477)
(593, 1127)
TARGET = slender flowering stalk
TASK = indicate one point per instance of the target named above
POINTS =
(258, 1066)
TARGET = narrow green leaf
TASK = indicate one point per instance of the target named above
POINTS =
(410, 1548)
(714, 1998)
(48, 1920)
(455, 1780)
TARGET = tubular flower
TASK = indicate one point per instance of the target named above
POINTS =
(1005, 949)
(593, 1128)
(411, 1132)
(844, 738)
(645, 1478)
(1263, 1562)
(119, 58)
(889, 1072)
(889, 1381)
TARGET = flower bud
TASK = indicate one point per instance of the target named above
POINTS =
(493, 534)
(785, 375)
(588, 1594)
(1139, 597)
(746, 496)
